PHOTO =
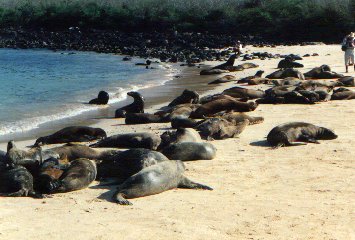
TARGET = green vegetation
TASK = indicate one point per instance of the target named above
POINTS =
(287, 19)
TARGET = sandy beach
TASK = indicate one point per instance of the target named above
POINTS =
(302, 192)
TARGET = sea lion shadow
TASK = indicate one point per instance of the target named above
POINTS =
(111, 189)
(262, 143)
(165, 128)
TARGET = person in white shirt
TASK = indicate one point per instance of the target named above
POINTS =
(348, 46)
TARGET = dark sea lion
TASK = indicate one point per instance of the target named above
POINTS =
(127, 163)
(78, 175)
(289, 62)
(136, 107)
(347, 81)
(182, 110)
(101, 99)
(48, 176)
(239, 92)
(343, 95)
(240, 117)
(216, 106)
(210, 98)
(248, 65)
(279, 91)
(2, 156)
(143, 118)
(328, 75)
(189, 151)
(287, 81)
(213, 71)
(258, 74)
(183, 122)
(224, 79)
(130, 140)
(289, 133)
(187, 96)
(180, 135)
(229, 63)
(298, 97)
(31, 158)
(17, 181)
(288, 72)
(219, 128)
(155, 179)
(76, 151)
(72, 134)
(314, 73)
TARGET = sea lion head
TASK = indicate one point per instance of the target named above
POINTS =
(326, 134)
(136, 96)
(40, 141)
(100, 133)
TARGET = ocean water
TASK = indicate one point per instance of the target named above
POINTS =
(41, 86)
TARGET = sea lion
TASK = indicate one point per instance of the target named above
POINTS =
(219, 128)
(240, 117)
(229, 63)
(239, 92)
(248, 65)
(49, 173)
(75, 151)
(213, 71)
(289, 62)
(143, 118)
(189, 151)
(343, 94)
(180, 135)
(17, 181)
(347, 81)
(72, 134)
(287, 81)
(301, 97)
(136, 107)
(30, 159)
(130, 140)
(80, 174)
(216, 106)
(153, 180)
(224, 79)
(187, 96)
(210, 98)
(182, 110)
(316, 71)
(101, 99)
(127, 163)
(288, 72)
(258, 74)
(289, 133)
(183, 122)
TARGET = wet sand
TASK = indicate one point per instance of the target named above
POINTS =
(302, 192)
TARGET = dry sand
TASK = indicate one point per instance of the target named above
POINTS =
(302, 192)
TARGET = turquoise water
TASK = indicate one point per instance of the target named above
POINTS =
(40, 86)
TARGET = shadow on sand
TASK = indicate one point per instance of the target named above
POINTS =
(262, 143)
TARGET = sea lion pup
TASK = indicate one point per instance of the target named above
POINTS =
(219, 128)
(190, 151)
(240, 117)
(136, 107)
(258, 74)
(183, 122)
(17, 181)
(49, 173)
(143, 118)
(101, 99)
(180, 135)
(343, 94)
(72, 134)
(224, 79)
(239, 92)
(211, 108)
(72, 151)
(288, 72)
(153, 180)
(30, 159)
(80, 174)
(130, 140)
(127, 163)
(289, 134)
(187, 96)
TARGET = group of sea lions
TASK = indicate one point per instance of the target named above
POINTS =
(154, 164)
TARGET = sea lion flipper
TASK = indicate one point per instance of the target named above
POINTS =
(187, 183)
(119, 198)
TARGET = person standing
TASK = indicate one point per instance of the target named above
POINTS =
(348, 46)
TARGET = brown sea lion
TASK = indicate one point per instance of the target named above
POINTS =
(143, 118)
(240, 92)
(289, 134)
(72, 134)
(101, 99)
(153, 180)
(224, 79)
(288, 72)
(216, 106)
(343, 94)
(240, 117)
(187, 96)
(258, 74)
